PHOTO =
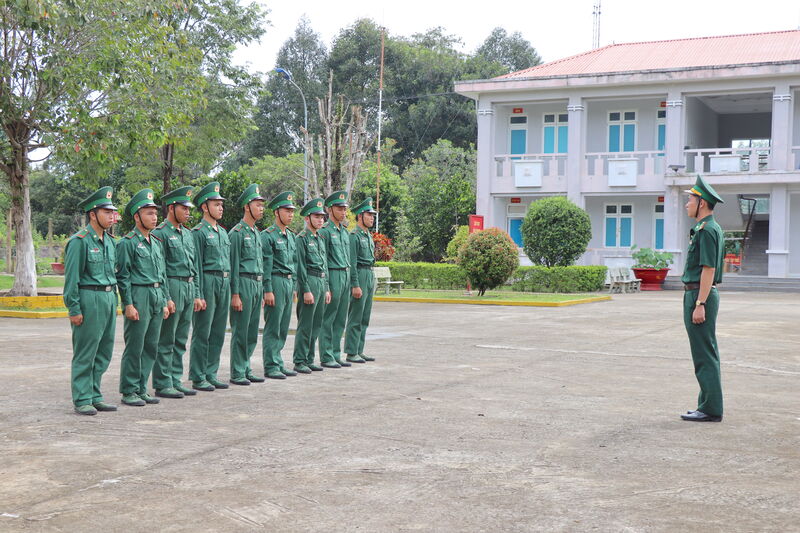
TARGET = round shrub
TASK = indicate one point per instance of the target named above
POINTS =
(555, 232)
(456, 243)
(489, 258)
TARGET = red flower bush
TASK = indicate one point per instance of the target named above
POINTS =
(384, 251)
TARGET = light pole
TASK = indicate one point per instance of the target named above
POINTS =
(288, 76)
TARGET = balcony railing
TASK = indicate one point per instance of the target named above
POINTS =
(727, 160)
(554, 164)
(648, 163)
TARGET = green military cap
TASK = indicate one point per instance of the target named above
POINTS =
(705, 191)
(314, 205)
(209, 192)
(143, 198)
(364, 207)
(337, 198)
(99, 198)
(284, 199)
(251, 193)
(181, 196)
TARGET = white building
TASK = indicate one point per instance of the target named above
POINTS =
(624, 129)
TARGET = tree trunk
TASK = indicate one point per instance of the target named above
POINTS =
(25, 270)
(9, 231)
(167, 154)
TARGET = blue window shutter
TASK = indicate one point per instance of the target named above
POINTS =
(549, 140)
(659, 234)
(611, 232)
(562, 139)
(515, 230)
(518, 141)
(629, 134)
(662, 135)
(625, 226)
(613, 138)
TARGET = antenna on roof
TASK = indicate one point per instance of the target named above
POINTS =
(596, 25)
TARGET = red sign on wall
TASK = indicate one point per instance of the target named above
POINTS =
(518, 110)
(662, 104)
(475, 223)
(516, 200)
(661, 199)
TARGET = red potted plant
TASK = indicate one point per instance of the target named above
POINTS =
(651, 267)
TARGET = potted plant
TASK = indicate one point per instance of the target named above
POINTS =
(58, 267)
(651, 267)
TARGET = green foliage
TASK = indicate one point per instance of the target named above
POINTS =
(555, 232)
(456, 243)
(559, 279)
(427, 275)
(489, 258)
(442, 195)
(407, 244)
(511, 51)
(649, 258)
(276, 174)
(394, 190)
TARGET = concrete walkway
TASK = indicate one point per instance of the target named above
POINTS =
(473, 419)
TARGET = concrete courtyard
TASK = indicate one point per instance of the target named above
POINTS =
(473, 418)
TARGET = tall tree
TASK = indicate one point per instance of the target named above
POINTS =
(513, 51)
(79, 78)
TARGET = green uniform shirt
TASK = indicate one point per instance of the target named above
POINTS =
(362, 253)
(706, 248)
(337, 244)
(212, 247)
(87, 261)
(140, 262)
(179, 253)
(311, 255)
(245, 253)
(278, 253)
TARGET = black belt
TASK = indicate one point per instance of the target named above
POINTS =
(694, 286)
(282, 274)
(182, 278)
(256, 277)
(218, 273)
(98, 288)
(337, 268)
(365, 267)
(315, 272)
(151, 285)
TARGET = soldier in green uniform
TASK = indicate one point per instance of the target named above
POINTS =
(90, 296)
(312, 286)
(337, 246)
(278, 249)
(141, 276)
(701, 275)
(184, 290)
(247, 292)
(362, 281)
(212, 248)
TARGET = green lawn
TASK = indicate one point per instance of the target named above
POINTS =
(7, 280)
(494, 296)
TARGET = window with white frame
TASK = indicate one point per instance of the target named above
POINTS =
(555, 133)
(658, 226)
(518, 134)
(661, 129)
(622, 131)
(515, 214)
(618, 225)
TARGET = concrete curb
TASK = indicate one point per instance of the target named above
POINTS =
(469, 302)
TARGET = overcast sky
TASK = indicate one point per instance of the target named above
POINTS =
(556, 29)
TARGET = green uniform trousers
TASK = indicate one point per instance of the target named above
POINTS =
(276, 323)
(309, 322)
(168, 369)
(92, 345)
(141, 340)
(330, 338)
(208, 329)
(244, 327)
(359, 313)
(705, 354)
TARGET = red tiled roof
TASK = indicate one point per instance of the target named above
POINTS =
(675, 54)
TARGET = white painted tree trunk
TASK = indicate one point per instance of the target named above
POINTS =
(25, 271)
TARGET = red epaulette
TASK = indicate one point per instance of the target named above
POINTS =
(155, 237)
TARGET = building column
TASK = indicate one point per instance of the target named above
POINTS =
(576, 149)
(782, 110)
(675, 228)
(778, 252)
(674, 142)
(485, 161)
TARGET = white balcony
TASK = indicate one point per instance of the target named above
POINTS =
(612, 171)
(727, 160)
(529, 173)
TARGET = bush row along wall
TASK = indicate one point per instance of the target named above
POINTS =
(526, 278)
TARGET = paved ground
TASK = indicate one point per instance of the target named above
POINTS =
(472, 419)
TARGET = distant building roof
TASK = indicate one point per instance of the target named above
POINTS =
(751, 48)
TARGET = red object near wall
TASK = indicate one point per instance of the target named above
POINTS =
(475, 223)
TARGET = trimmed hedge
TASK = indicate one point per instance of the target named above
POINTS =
(444, 276)
(559, 279)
